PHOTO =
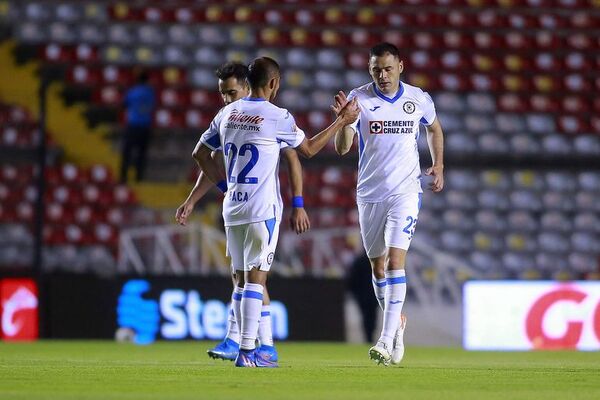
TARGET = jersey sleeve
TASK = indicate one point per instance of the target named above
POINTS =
(288, 132)
(211, 137)
(428, 109)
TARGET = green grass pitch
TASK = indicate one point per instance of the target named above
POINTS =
(107, 370)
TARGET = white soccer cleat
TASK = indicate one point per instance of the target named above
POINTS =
(380, 354)
(398, 352)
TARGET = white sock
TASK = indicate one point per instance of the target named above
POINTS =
(236, 306)
(251, 304)
(265, 332)
(379, 289)
(233, 331)
(395, 293)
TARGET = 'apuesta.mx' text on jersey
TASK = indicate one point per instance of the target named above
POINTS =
(249, 132)
(388, 129)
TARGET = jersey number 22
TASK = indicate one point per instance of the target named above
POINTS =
(243, 176)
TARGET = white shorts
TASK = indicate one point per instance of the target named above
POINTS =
(389, 223)
(252, 245)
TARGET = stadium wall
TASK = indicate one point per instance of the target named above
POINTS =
(189, 308)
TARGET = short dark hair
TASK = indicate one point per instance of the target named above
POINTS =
(261, 70)
(380, 49)
(232, 69)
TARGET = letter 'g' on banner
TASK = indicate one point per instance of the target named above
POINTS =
(19, 309)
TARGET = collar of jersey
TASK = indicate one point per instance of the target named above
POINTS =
(253, 99)
(388, 99)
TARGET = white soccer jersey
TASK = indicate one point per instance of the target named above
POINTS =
(387, 130)
(249, 131)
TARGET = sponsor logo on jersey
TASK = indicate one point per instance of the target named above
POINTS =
(375, 127)
(391, 127)
(374, 108)
(243, 122)
(270, 258)
(409, 107)
(240, 116)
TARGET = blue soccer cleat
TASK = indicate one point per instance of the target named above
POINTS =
(226, 350)
(268, 353)
(262, 361)
(246, 359)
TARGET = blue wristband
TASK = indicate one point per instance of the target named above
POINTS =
(222, 185)
(298, 202)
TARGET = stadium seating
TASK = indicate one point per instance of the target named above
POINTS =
(85, 208)
(514, 84)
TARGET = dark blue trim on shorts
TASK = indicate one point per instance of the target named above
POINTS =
(265, 313)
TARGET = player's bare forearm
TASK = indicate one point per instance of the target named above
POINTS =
(299, 220)
(202, 186)
(435, 140)
(343, 140)
(294, 171)
(309, 147)
(208, 165)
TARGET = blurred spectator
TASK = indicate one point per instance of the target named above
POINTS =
(139, 104)
(359, 283)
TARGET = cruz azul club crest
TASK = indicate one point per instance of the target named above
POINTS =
(408, 107)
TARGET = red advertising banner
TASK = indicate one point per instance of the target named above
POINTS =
(19, 309)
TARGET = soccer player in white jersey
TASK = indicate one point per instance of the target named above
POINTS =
(249, 131)
(233, 86)
(389, 181)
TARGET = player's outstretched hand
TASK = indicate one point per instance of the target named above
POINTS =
(183, 212)
(299, 221)
(350, 112)
(340, 100)
(437, 184)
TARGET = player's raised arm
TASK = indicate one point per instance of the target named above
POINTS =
(348, 114)
(435, 140)
(299, 221)
(345, 136)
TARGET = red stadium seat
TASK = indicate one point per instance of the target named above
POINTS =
(575, 104)
(84, 75)
(24, 212)
(123, 195)
(334, 15)
(109, 95)
(117, 76)
(71, 174)
(278, 17)
(573, 124)
(543, 103)
(548, 40)
(85, 53)
(99, 174)
(164, 118)
(56, 53)
(273, 37)
(217, 14)
(303, 38)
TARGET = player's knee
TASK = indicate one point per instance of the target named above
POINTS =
(378, 267)
(239, 279)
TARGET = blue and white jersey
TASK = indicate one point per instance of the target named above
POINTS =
(250, 132)
(388, 129)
